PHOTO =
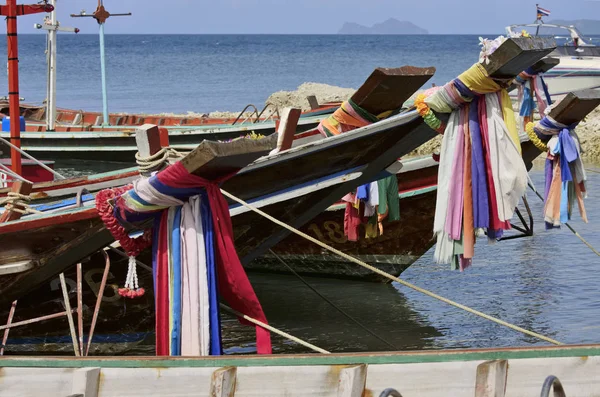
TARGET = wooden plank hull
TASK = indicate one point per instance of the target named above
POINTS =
(79, 120)
(117, 141)
(402, 243)
(119, 144)
(457, 373)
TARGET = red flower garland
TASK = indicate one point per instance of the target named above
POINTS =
(132, 246)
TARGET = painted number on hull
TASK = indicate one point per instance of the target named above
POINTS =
(329, 232)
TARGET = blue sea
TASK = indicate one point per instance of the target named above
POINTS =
(203, 73)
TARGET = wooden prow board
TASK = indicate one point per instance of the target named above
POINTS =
(541, 66)
(545, 64)
(571, 109)
(375, 95)
(213, 160)
(513, 57)
(517, 54)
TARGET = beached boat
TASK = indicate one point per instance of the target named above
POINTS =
(118, 143)
(71, 120)
(570, 370)
(43, 245)
(579, 66)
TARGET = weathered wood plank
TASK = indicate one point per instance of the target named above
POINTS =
(313, 102)
(148, 142)
(352, 381)
(517, 54)
(541, 66)
(545, 64)
(573, 108)
(147, 139)
(287, 128)
(215, 159)
(222, 382)
(86, 382)
(491, 378)
(388, 88)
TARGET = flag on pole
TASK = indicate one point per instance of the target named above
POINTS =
(542, 12)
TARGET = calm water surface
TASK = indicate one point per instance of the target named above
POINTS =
(203, 73)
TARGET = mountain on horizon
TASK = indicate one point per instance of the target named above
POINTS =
(389, 26)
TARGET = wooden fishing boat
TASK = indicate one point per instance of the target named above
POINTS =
(43, 245)
(117, 143)
(79, 120)
(527, 371)
(403, 242)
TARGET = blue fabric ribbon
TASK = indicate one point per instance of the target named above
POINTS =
(176, 269)
(527, 105)
(546, 93)
(362, 192)
(464, 91)
(216, 348)
(481, 212)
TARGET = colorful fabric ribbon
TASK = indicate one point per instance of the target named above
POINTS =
(192, 242)
(347, 117)
(380, 197)
(531, 84)
(370, 205)
(481, 174)
(565, 176)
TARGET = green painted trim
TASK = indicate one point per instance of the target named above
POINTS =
(582, 351)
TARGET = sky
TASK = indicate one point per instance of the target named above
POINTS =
(306, 16)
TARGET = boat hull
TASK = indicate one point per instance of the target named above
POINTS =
(402, 243)
(460, 373)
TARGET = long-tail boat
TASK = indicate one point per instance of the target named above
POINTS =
(42, 245)
(118, 143)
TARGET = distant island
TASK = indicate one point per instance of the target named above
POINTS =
(390, 26)
(588, 27)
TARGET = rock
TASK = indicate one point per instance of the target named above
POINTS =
(323, 92)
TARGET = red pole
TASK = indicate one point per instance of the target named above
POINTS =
(11, 10)
(13, 84)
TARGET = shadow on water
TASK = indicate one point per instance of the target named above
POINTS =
(293, 307)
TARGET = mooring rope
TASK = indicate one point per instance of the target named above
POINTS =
(567, 224)
(336, 307)
(274, 330)
(242, 315)
(389, 276)
(150, 163)
(16, 202)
